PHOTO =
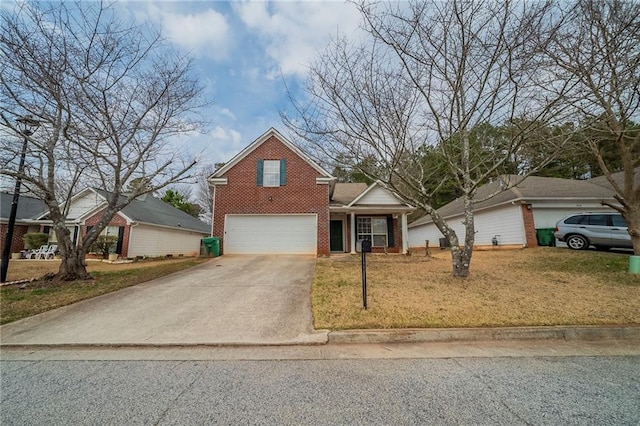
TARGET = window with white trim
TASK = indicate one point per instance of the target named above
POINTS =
(111, 231)
(271, 173)
(373, 229)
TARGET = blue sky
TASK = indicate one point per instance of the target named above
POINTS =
(246, 54)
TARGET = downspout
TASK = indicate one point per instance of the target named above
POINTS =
(133, 225)
(405, 234)
(353, 233)
(213, 208)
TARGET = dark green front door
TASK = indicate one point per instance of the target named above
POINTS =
(335, 236)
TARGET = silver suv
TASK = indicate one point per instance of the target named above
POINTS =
(601, 230)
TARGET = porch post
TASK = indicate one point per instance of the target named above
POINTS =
(405, 234)
(353, 233)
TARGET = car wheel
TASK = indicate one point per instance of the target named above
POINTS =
(577, 242)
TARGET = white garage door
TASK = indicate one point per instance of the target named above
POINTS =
(284, 234)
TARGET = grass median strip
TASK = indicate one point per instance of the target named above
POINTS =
(41, 296)
(542, 286)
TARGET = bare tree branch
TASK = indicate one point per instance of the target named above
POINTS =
(110, 97)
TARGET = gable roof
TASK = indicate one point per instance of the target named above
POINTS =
(28, 207)
(532, 188)
(259, 141)
(345, 193)
(618, 178)
(349, 196)
(390, 195)
(150, 210)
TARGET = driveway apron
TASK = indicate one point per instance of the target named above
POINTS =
(228, 300)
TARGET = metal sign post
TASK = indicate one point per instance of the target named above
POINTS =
(366, 248)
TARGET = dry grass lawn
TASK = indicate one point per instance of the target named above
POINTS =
(542, 286)
(28, 269)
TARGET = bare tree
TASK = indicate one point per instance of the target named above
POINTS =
(430, 74)
(204, 192)
(109, 96)
(598, 50)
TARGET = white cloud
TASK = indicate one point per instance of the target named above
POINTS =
(227, 112)
(205, 33)
(293, 32)
(231, 139)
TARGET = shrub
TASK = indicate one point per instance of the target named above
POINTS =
(103, 244)
(34, 240)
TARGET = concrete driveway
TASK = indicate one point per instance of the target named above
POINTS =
(228, 300)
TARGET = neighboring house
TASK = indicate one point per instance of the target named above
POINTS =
(146, 227)
(273, 198)
(512, 217)
(28, 208)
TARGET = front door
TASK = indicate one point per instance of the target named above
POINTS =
(335, 236)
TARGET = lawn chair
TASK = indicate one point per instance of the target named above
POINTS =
(33, 254)
(49, 253)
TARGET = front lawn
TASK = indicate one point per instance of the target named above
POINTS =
(541, 286)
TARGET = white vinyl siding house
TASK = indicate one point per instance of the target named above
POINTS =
(83, 203)
(147, 226)
(514, 216)
(377, 196)
(547, 214)
(145, 240)
(504, 223)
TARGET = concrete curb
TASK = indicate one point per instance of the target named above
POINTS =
(626, 332)
(317, 338)
(384, 336)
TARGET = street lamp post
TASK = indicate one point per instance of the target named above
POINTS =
(27, 127)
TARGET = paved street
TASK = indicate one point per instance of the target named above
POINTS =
(230, 299)
(470, 391)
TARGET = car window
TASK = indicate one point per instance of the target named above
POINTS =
(599, 220)
(575, 220)
(618, 220)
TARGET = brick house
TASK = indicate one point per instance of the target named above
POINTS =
(272, 198)
(28, 209)
(146, 227)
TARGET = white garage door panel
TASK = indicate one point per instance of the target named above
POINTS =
(284, 234)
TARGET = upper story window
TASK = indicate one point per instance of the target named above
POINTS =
(272, 173)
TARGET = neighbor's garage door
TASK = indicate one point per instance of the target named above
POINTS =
(248, 234)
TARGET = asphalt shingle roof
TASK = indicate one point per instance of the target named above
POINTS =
(152, 210)
(532, 188)
(617, 177)
(28, 207)
(344, 193)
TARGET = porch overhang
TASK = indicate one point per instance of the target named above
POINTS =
(400, 211)
(376, 210)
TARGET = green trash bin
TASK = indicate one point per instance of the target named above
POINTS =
(545, 237)
(212, 246)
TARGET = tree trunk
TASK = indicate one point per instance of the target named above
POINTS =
(461, 261)
(73, 267)
(632, 217)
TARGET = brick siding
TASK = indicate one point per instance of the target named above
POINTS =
(117, 220)
(529, 226)
(301, 194)
(17, 244)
